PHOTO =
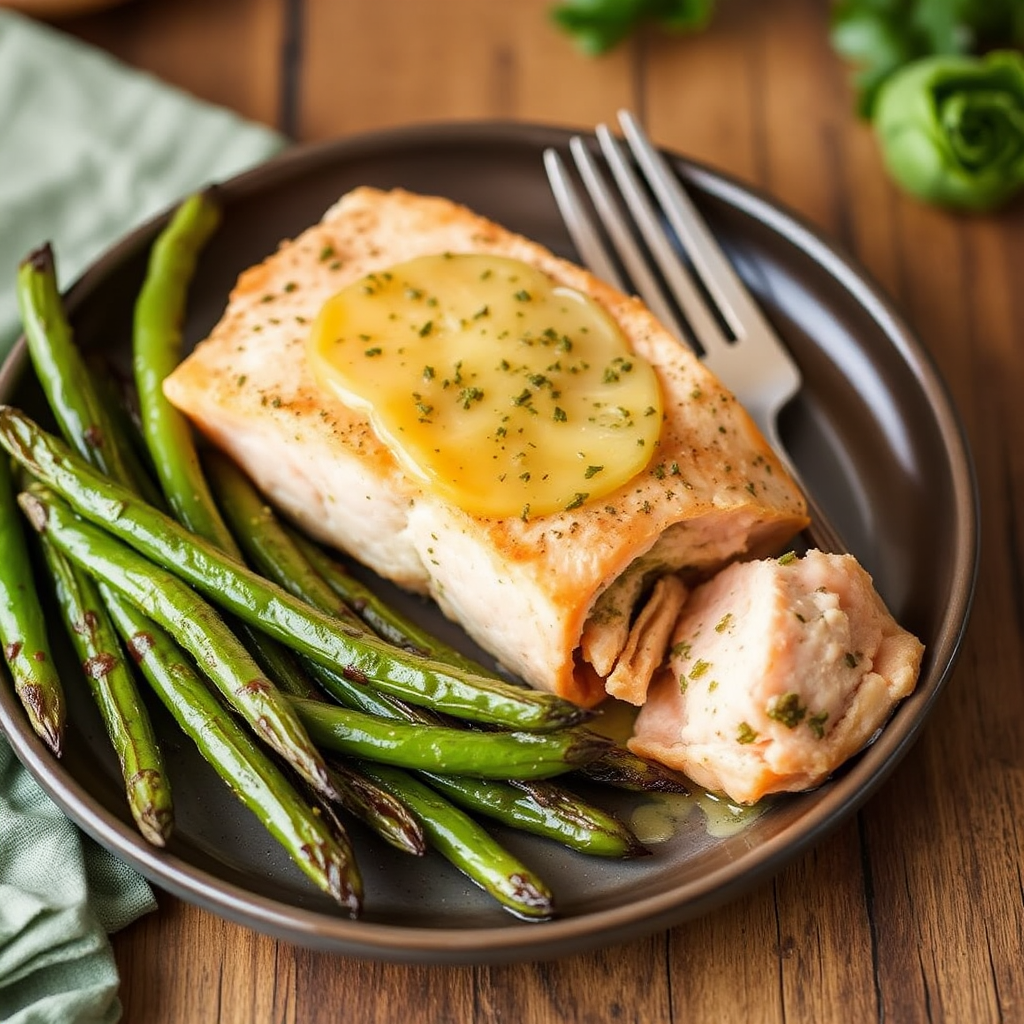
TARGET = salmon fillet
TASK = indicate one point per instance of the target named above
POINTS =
(779, 671)
(554, 597)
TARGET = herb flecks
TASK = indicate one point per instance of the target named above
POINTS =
(467, 396)
(816, 723)
(786, 710)
(681, 649)
(745, 733)
(699, 668)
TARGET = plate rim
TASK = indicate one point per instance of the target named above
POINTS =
(561, 936)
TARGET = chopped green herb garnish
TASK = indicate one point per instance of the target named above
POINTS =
(786, 709)
(816, 723)
(700, 667)
(469, 395)
(745, 734)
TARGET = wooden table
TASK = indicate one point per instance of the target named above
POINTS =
(915, 909)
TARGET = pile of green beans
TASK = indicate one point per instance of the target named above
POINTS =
(304, 692)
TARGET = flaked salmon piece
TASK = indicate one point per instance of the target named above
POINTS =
(647, 641)
(523, 589)
(606, 631)
(779, 671)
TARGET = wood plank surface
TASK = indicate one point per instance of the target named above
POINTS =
(408, 62)
(231, 52)
(913, 910)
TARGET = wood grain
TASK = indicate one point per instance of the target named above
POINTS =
(230, 52)
(914, 909)
(414, 62)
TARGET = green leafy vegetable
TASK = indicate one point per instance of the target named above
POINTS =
(597, 26)
(952, 129)
(881, 36)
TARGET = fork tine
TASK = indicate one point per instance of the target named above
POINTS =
(706, 330)
(736, 305)
(581, 229)
(625, 245)
(734, 301)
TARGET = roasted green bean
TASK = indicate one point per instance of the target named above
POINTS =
(23, 626)
(251, 775)
(128, 726)
(195, 625)
(470, 847)
(493, 755)
(156, 350)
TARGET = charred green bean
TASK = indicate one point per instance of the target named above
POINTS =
(494, 755)
(23, 626)
(127, 723)
(470, 848)
(194, 623)
(156, 350)
(322, 855)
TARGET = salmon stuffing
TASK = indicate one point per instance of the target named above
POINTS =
(779, 671)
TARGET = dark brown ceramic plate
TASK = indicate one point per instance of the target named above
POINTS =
(873, 433)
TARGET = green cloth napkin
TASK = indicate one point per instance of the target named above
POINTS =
(88, 149)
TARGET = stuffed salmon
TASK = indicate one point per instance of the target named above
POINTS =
(479, 420)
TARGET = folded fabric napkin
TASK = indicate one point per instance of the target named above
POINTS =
(88, 149)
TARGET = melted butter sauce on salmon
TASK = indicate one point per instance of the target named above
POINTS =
(499, 389)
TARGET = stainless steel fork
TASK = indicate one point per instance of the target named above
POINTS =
(753, 362)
